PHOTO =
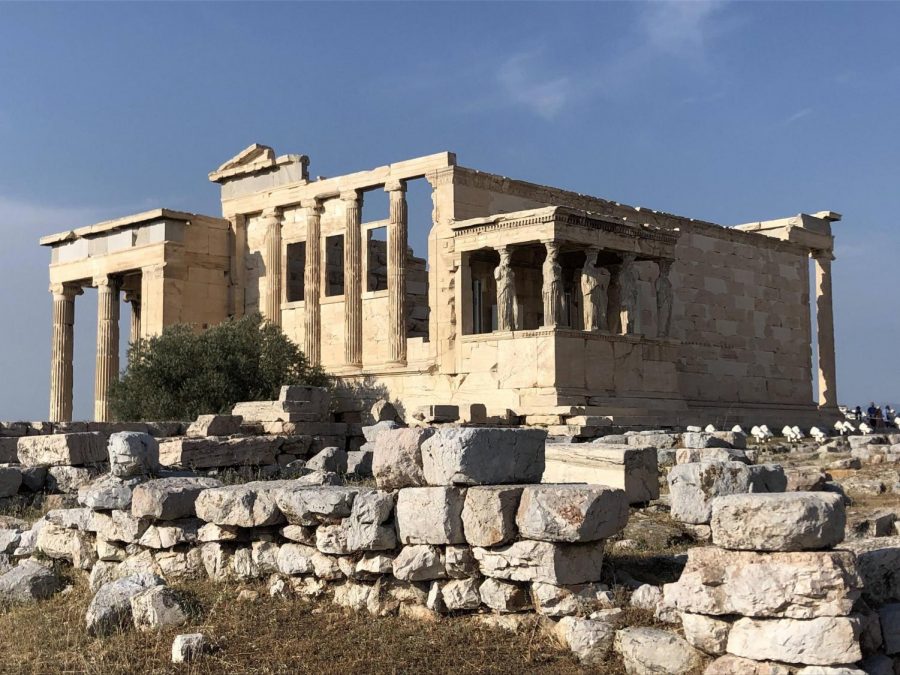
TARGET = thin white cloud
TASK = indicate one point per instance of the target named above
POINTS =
(523, 83)
(799, 115)
(663, 30)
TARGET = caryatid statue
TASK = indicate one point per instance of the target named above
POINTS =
(553, 286)
(594, 291)
(663, 299)
(628, 295)
(506, 292)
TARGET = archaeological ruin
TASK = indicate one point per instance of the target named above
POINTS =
(533, 303)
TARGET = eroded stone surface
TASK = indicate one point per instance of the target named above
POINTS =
(820, 641)
(483, 456)
(430, 515)
(169, 498)
(552, 563)
(571, 513)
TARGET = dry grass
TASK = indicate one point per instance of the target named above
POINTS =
(271, 636)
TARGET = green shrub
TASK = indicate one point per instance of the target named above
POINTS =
(181, 373)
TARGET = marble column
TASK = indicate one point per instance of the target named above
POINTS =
(134, 299)
(61, 351)
(552, 286)
(825, 330)
(271, 307)
(397, 234)
(352, 279)
(312, 282)
(107, 370)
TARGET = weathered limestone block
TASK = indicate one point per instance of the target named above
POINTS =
(355, 596)
(155, 608)
(489, 514)
(132, 453)
(483, 456)
(397, 457)
(706, 633)
(9, 539)
(27, 582)
(310, 505)
(332, 539)
(655, 439)
(372, 432)
(169, 498)
(69, 479)
(590, 640)
(384, 411)
(359, 463)
(576, 600)
(419, 562)
(690, 455)
(461, 594)
(215, 425)
(821, 641)
(806, 479)
(430, 515)
(552, 563)
(67, 544)
(108, 492)
(189, 647)
(692, 487)
(119, 526)
(206, 453)
(632, 469)
(799, 585)
(735, 665)
(10, 480)
(571, 513)
(648, 651)
(110, 608)
(72, 519)
(62, 449)
(373, 506)
(503, 596)
(878, 561)
(437, 414)
(248, 505)
(167, 534)
(176, 565)
(34, 478)
(374, 564)
(460, 562)
(213, 532)
(329, 459)
(789, 521)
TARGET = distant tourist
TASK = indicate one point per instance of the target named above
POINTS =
(870, 413)
(858, 413)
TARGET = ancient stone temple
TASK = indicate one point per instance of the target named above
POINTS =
(532, 301)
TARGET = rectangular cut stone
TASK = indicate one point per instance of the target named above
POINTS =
(215, 425)
(822, 641)
(430, 515)
(632, 469)
(558, 564)
(483, 456)
(9, 450)
(489, 514)
(789, 521)
(798, 585)
(248, 505)
(310, 505)
(62, 449)
(571, 513)
(204, 453)
(693, 486)
(254, 412)
(169, 498)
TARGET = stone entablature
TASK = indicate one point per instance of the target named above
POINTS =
(532, 299)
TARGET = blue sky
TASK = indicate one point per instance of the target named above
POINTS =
(729, 112)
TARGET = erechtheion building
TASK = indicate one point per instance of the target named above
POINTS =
(550, 305)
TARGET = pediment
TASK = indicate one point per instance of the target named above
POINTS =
(251, 155)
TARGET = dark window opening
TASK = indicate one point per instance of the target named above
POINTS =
(296, 269)
(334, 265)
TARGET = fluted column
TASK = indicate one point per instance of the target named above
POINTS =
(352, 279)
(271, 308)
(312, 282)
(61, 347)
(397, 235)
(825, 330)
(134, 299)
(107, 344)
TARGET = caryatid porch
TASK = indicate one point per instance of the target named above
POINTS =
(558, 268)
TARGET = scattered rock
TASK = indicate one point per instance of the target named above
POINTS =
(650, 651)
(189, 647)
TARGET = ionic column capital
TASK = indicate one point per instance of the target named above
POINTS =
(352, 196)
(107, 281)
(822, 254)
(133, 297)
(395, 186)
(66, 291)
(313, 206)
